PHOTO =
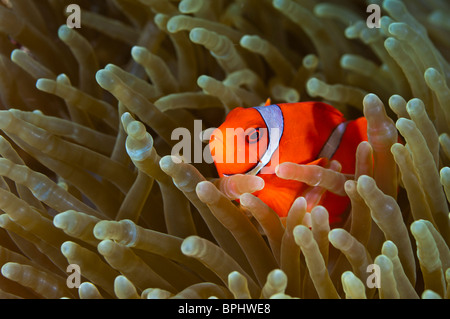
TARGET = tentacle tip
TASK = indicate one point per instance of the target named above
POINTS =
(99, 231)
(168, 162)
(137, 52)
(105, 79)
(246, 199)
(257, 183)
(41, 84)
(9, 269)
(189, 245)
(207, 192)
(64, 32)
(59, 220)
(105, 247)
(282, 170)
(280, 4)
(67, 248)
(366, 182)
(418, 227)
(15, 54)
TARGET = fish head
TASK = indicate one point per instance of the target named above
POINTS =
(239, 143)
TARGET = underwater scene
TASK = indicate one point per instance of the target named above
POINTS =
(224, 149)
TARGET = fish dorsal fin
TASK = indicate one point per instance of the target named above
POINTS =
(268, 102)
(273, 117)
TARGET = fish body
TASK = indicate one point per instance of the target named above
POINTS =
(305, 133)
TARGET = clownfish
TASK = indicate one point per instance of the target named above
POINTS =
(311, 133)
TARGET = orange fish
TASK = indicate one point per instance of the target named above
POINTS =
(254, 140)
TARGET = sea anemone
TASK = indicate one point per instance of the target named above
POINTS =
(89, 178)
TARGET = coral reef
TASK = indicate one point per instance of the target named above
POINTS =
(87, 175)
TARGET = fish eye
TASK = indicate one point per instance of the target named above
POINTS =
(253, 136)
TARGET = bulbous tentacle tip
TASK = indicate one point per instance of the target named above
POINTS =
(100, 230)
(405, 126)
(139, 53)
(338, 237)
(189, 247)
(106, 247)
(367, 180)
(418, 228)
(64, 32)
(302, 235)
(6, 118)
(445, 175)
(68, 249)
(280, 4)
(394, 6)
(169, 163)
(16, 54)
(207, 192)
(10, 270)
(105, 79)
(372, 104)
(247, 200)
(389, 249)
(60, 220)
(45, 85)
(277, 276)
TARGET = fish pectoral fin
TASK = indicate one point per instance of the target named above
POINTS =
(279, 199)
